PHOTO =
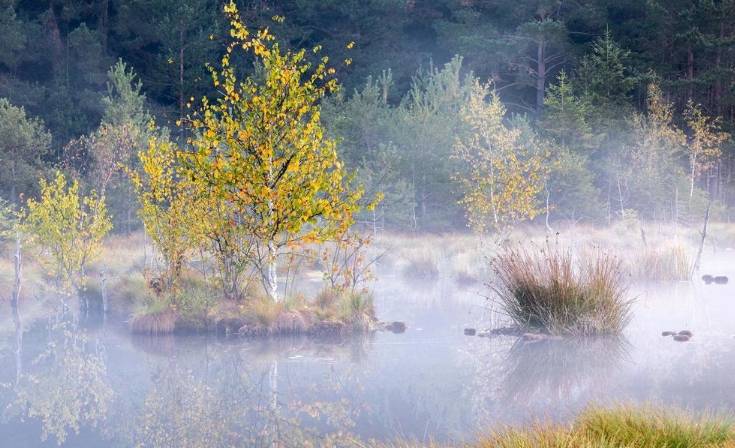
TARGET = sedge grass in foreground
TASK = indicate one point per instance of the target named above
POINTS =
(608, 428)
(543, 289)
(621, 428)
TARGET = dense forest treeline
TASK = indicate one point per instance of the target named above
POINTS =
(628, 103)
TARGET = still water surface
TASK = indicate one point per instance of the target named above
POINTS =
(99, 386)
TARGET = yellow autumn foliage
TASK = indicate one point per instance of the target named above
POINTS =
(502, 177)
(68, 227)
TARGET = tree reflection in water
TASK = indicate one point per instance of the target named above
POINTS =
(237, 397)
(65, 387)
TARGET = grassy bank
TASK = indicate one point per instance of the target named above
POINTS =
(609, 428)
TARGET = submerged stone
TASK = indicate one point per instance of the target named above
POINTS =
(721, 280)
(470, 331)
(503, 331)
(395, 327)
(532, 337)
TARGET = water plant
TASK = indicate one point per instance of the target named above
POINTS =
(542, 288)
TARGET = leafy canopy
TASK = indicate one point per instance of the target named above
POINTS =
(68, 227)
(261, 147)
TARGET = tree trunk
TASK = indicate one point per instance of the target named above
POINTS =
(18, 265)
(548, 211)
(620, 199)
(695, 266)
(718, 77)
(13, 191)
(102, 21)
(272, 279)
(18, 345)
(692, 174)
(181, 73)
(14, 300)
(690, 71)
(541, 76)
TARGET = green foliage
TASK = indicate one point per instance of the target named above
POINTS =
(8, 220)
(12, 38)
(396, 132)
(653, 163)
(24, 141)
(566, 115)
(68, 228)
(364, 127)
(125, 103)
(605, 77)
(571, 187)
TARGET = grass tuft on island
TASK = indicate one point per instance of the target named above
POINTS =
(622, 427)
(543, 289)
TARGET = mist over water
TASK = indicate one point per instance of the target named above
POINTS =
(431, 382)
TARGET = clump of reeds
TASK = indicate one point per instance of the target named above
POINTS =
(620, 427)
(154, 322)
(421, 269)
(542, 289)
(662, 264)
(422, 263)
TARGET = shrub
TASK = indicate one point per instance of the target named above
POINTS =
(542, 289)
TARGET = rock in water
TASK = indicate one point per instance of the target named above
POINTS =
(533, 337)
(686, 333)
(469, 331)
(707, 279)
(396, 327)
(721, 280)
(681, 338)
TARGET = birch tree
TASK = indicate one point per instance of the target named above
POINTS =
(503, 177)
(260, 149)
(705, 141)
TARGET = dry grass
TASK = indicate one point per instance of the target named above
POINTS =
(154, 322)
(622, 427)
(664, 264)
(540, 288)
(423, 265)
